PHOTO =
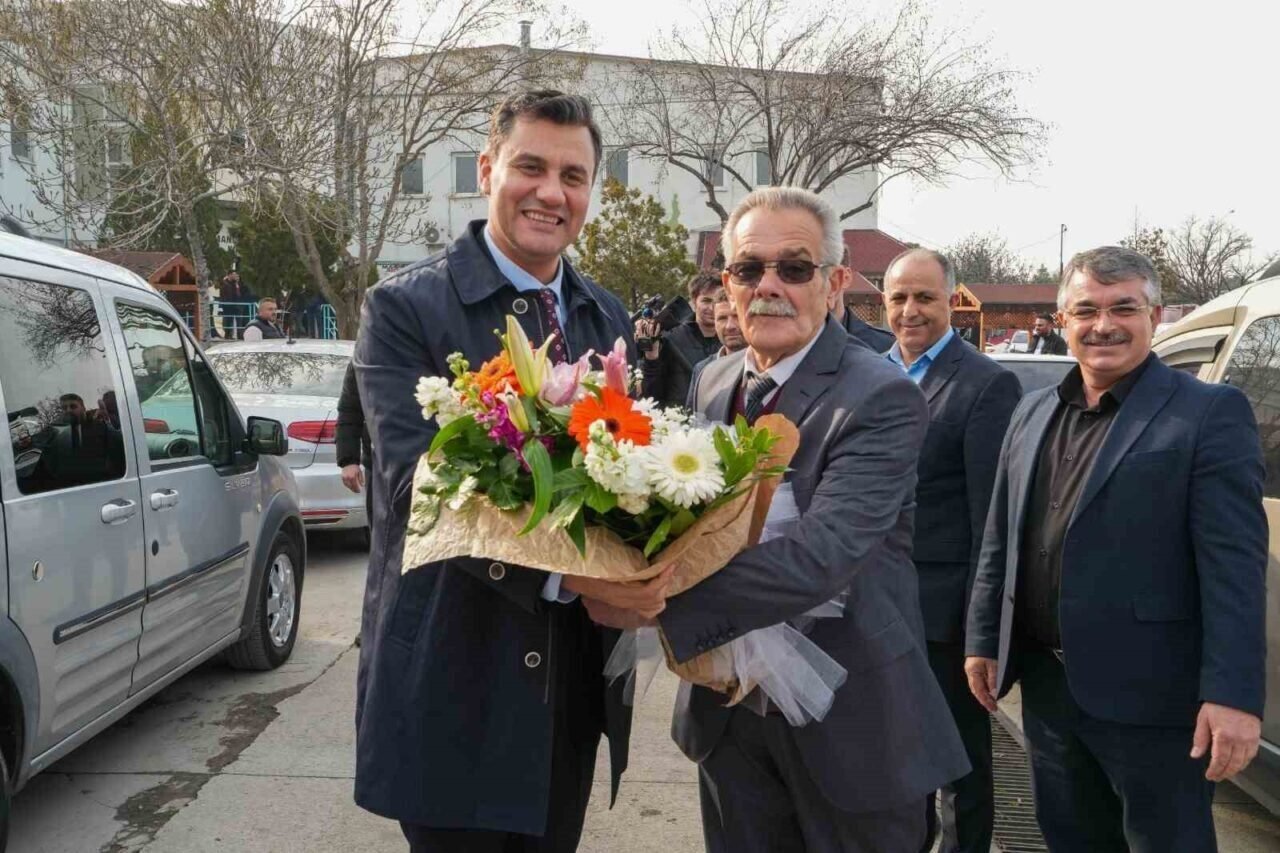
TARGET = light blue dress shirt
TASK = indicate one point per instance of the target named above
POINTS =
(920, 366)
(525, 282)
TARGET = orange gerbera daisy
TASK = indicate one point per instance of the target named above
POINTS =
(495, 375)
(618, 413)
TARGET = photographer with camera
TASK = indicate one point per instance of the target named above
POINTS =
(667, 366)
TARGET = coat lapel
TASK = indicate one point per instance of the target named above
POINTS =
(1147, 397)
(1022, 462)
(941, 371)
(811, 378)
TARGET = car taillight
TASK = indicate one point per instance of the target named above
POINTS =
(155, 425)
(316, 432)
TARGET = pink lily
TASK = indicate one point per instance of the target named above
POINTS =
(615, 367)
(563, 384)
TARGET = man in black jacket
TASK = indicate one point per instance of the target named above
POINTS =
(1044, 340)
(876, 338)
(668, 365)
(355, 453)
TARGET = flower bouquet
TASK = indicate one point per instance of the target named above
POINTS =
(555, 467)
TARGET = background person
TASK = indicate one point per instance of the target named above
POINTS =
(668, 364)
(971, 399)
(263, 327)
(874, 337)
(1044, 340)
(1121, 579)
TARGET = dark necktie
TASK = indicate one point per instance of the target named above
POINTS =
(758, 387)
(558, 352)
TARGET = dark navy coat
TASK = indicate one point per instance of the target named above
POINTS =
(455, 698)
(971, 398)
(1163, 596)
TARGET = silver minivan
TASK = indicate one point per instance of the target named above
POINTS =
(1236, 339)
(144, 528)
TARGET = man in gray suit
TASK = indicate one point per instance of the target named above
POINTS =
(855, 782)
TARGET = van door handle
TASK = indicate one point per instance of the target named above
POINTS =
(164, 499)
(118, 510)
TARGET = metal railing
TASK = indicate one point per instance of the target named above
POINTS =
(230, 318)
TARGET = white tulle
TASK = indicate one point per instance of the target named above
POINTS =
(788, 669)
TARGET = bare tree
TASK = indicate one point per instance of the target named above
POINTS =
(819, 98)
(362, 103)
(115, 95)
(1210, 257)
(987, 259)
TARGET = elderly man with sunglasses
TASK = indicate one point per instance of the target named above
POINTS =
(856, 781)
(1121, 579)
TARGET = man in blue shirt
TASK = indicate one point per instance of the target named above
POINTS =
(971, 399)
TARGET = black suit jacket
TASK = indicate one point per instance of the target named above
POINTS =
(1163, 596)
(889, 737)
(353, 446)
(454, 713)
(971, 399)
(874, 337)
(1053, 344)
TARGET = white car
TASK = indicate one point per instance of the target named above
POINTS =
(298, 383)
(1035, 371)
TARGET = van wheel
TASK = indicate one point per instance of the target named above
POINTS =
(274, 627)
(6, 796)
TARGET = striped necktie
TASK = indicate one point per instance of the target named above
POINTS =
(758, 387)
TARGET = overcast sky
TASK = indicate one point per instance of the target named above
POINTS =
(1162, 109)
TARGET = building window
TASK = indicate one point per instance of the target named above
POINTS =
(617, 165)
(20, 138)
(411, 177)
(466, 175)
(714, 170)
(764, 169)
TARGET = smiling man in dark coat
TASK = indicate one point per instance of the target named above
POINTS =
(480, 695)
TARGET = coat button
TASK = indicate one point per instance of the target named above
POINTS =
(497, 571)
(532, 660)
(520, 306)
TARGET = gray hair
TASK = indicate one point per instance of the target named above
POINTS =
(948, 270)
(1112, 265)
(790, 198)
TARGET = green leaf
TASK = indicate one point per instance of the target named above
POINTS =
(505, 497)
(570, 479)
(577, 531)
(565, 512)
(658, 537)
(682, 521)
(539, 462)
(600, 499)
(450, 431)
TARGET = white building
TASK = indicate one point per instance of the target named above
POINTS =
(444, 183)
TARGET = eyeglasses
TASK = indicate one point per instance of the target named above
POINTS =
(791, 271)
(1089, 313)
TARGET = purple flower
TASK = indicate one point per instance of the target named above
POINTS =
(498, 420)
(615, 367)
(564, 383)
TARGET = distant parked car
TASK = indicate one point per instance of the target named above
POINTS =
(298, 384)
(1020, 341)
(1035, 371)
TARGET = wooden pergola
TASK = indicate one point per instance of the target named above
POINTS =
(996, 308)
(168, 272)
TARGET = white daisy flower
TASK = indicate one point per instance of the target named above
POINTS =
(684, 468)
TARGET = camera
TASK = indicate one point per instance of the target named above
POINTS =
(649, 310)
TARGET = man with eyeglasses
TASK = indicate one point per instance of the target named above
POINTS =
(855, 781)
(1121, 579)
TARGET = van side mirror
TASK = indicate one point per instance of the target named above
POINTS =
(266, 438)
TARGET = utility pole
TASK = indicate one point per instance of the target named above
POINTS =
(1062, 236)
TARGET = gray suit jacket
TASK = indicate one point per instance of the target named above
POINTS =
(889, 738)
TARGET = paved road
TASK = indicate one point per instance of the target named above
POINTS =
(232, 761)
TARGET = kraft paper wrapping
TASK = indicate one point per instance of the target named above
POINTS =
(482, 531)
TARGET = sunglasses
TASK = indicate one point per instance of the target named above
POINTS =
(791, 271)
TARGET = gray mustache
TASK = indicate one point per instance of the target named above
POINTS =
(1106, 340)
(771, 308)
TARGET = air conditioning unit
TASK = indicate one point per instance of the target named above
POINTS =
(432, 234)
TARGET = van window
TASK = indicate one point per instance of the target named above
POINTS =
(220, 436)
(158, 362)
(62, 401)
(1255, 369)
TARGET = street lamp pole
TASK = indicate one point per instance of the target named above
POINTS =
(1062, 232)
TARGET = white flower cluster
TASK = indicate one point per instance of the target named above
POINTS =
(681, 465)
(663, 421)
(435, 395)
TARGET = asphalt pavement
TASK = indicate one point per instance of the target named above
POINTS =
(232, 761)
